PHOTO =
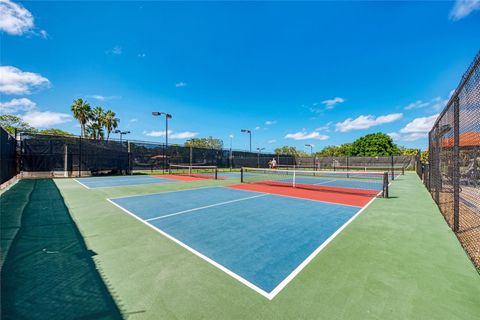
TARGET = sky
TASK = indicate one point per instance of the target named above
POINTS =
(294, 73)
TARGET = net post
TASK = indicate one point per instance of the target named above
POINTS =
(216, 173)
(385, 185)
(65, 160)
(241, 174)
(293, 182)
(392, 168)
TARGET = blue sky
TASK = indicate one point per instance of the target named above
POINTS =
(323, 73)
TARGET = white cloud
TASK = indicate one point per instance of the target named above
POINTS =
(325, 127)
(394, 135)
(416, 105)
(45, 119)
(365, 122)
(180, 84)
(172, 135)
(423, 124)
(303, 135)
(43, 34)
(141, 55)
(407, 137)
(435, 104)
(272, 141)
(117, 50)
(14, 18)
(183, 135)
(463, 8)
(133, 120)
(103, 98)
(231, 136)
(270, 122)
(257, 128)
(331, 103)
(16, 81)
(416, 129)
(17, 105)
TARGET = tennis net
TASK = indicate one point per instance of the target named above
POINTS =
(197, 171)
(349, 182)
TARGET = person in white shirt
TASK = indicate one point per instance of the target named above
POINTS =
(274, 163)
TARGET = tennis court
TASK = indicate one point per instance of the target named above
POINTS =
(262, 240)
(108, 182)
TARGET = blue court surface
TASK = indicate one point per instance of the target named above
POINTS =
(229, 174)
(103, 182)
(259, 239)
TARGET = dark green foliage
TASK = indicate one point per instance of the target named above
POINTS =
(208, 143)
(374, 144)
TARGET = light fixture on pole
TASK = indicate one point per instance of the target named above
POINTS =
(231, 155)
(259, 150)
(250, 134)
(167, 116)
(121, 133)
(311, 147)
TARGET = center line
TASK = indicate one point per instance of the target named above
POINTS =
(209, 206)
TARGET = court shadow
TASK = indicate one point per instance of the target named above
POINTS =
(47, 271)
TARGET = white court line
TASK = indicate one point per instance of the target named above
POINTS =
(205, 207)
(285, 281)
(82, 184)
(126, 185)
(198, 254)
(305, 262)
(152, 194)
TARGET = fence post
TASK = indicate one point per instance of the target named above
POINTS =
(80, 156)
(456, 164)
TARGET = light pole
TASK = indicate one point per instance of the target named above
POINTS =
(258, 156)
(167, 116)
(311, 147)
(121, 133)
(250, 134)
(231, 156)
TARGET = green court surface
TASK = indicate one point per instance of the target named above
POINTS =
(397, 260)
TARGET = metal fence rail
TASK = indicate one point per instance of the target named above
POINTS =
(453, 176)
(8, 156)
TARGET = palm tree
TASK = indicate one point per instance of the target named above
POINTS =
(82, 112)
(110, 122)
(94, 131)
(98, 117)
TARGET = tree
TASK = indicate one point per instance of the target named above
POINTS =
(290, 151)
(336, 151)
(424, 156)
(98, 118)
(82, 112)
(10, 123)
(208, 143)
(374, 144)
(94, 131)
(408, 151)
(56, 132)
(110, 122)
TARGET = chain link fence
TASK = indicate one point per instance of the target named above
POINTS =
(8, 156)
(453, 172)
(49, 155)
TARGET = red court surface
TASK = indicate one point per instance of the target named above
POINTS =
(332, 196)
